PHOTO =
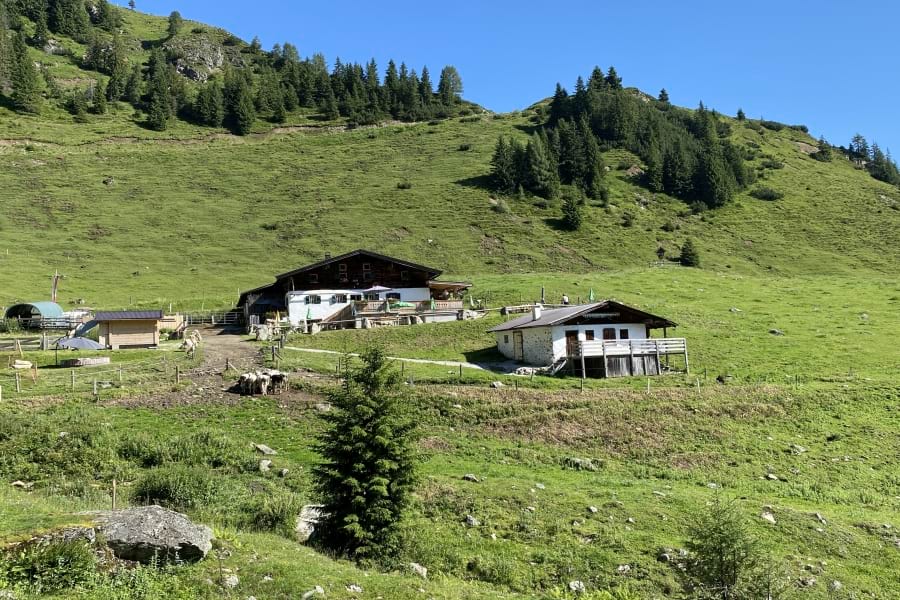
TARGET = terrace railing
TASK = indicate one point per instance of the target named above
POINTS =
(639, 347)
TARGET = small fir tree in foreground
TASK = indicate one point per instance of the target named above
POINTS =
(690, 257)
(368, 471)
(26, 91)
(571, 212)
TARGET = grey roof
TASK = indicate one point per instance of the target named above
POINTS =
(556, 316)
(129, 315)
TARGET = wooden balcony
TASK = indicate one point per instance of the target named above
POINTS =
(621, 358)
(384, 307)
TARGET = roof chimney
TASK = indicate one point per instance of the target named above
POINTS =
(536, 312)
(327, 255)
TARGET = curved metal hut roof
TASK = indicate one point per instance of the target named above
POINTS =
(32, 310)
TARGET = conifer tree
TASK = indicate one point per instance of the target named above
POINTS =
(450, 87)
(663, 96)
(503, 165)
(597, 81)
(26, 91)
(238, 99)
(541, 176)
(5, 50)
(690, 257)
(571, 211)
(99, 98)
(613, 80)
(209, 106)
(426, 88)
(740, 115)
(160, 103)
(41, 32)
(134, 86)
(369, 465)
(559, 105)
(117, 67)
(69, 17)
(175, 23)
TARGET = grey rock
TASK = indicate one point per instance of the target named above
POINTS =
(142, 533)
(735, 309)
(355, 588)
(265, 465)
(264, 449)
(593, 509)
(540, 486)
(577, 587)
(776, 332)
(471, 477)
(664, 557)
(797, 449)
(419, 570)
(580, 464)
(772, 477)
(496, 384)
(22, 485)
(310, 515)
(283, 472)
(232, 581)
(472, 521)
(323, 407)
(316, 591)
(836, 586)
(821, 519)
(623, 569)
(767, 516)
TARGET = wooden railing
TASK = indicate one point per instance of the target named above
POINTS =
(645, 347)
(384, 306)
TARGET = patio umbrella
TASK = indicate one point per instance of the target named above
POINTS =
(77, 343)
(376, 288)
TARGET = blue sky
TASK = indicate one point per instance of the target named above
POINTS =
(832, 65)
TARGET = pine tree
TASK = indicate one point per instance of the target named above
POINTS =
(161, 103)
(175, 23)
(69, 17)
(134, 86)
(41, 32)
(559, 105)
(713, 182)
(690, 257)
(541, 176)
(5, 50)
(99, 100)
(663, 96)
(26, 90)
(503, 166)
(450, 87)
(117, 67)
(131, 4)
(571, 211)
(369, 466)
(613, 80)
(209, 107)
(597, 81)
(740, 115)
(823, 154)
(279, 115)
(426, 88)
(238, 99)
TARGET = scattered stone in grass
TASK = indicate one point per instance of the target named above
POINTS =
(316, 591)
(593, 509)
(419, 570)
(323, 407)
(776, 332)
(734, 309)
(712, 486)
(263, 449)
(494, 537)
(580, 464)
(659, 494)
(665, 556)
(496, 384)
(772, 477)
(307, 521)
(267, 578)
(472, 521)
(577, 587)
(797, 449)
(283, 472)
(530, 508)
(767, 516)
(231, 581)
(355, 588)
(458, 406)
(471, 477)
(540, 486)
(807, 582)
(623, 569)
(630, 520)
(22, 484)
(265, 466)
(836, 586)
(821, 519)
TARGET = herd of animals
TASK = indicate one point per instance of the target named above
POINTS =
(260, 382)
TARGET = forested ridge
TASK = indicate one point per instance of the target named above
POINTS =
(688, 153)
(251, 84)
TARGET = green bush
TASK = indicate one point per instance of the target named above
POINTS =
(772, 164)
(48, 567)
(404, 185)
(772, 125)
(276, 513)
(500, 207)
(177, 487)
(766, 193)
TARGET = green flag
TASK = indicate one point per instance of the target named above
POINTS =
(433, 305)
(309, 313)
(591, 295)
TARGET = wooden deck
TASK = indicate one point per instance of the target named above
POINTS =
(624, 358)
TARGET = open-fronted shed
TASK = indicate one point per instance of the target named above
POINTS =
(129, 328)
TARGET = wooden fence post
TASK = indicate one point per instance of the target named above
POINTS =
(120, 374)
(96, 395)
(18, 384)
(1, 393)
(73, 379)
(227, 364)
(177, 374)
(114, 494)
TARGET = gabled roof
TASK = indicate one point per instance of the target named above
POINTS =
(432, 273)
(560, 316)
(129, 315)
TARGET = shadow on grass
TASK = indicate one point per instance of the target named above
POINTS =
(480, 181)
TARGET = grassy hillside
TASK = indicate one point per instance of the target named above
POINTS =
(193, 221)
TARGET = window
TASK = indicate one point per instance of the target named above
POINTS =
(314, 278)
(356, 297)
(589, 335)
(368, 276)
(373, 297)
(342, 267)
(404, 275)
(314, 299)
(623, 334)
(339, 299)
(609, 333)
(505, 339)
(367, 267)
(392, 295)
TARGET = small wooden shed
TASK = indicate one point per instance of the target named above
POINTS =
(129, 328)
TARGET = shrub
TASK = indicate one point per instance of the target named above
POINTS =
(404, 185)
(48, 567)
(690, 257)
(468, 119)
(465, 147)
(177, 487)
(500, 206)
(766, 193)
(276, 513)
(571, 211)
(770, 163)
(772, 125)
(669, 226)
(628, 219)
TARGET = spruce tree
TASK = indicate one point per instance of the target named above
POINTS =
(503, 166)
(175, 23)
(613, 80)
(450, 87)
(559, 105)
(99, 98)
(663, 96)
(160, 103)
(690, 257)
(134, 87)
(740, 115)
(541, 177)
(209, 107)
(426, 88)
(369, 462)
(26, 85)
(41, 32)
(571, 211)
